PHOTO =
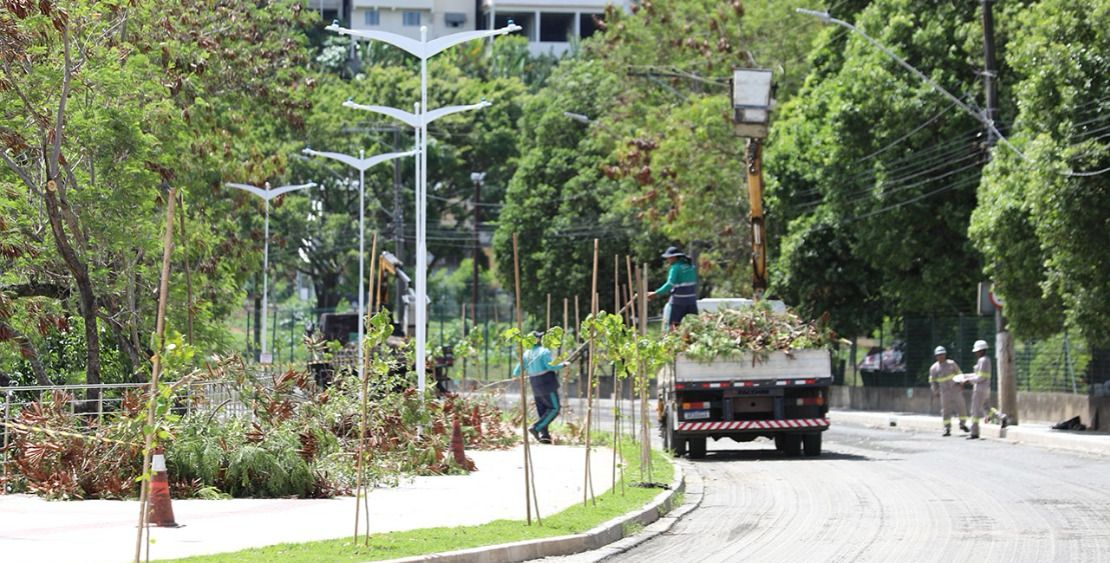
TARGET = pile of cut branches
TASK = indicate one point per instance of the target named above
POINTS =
(756, 330)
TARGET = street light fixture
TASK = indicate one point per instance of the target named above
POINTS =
(751, 101)
(422, 49)
(361, 164)
(577, 117)
(751, 104)
(267, 194)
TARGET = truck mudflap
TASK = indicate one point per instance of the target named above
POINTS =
(787, 424)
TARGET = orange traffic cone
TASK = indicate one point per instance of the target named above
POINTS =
(457, 448)
(161, 511)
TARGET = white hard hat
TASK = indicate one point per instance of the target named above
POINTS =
(979, 345)
(940, 350)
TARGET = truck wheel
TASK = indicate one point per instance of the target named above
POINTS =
(780, 444)
(791, 445)
(671, 442)
(697, 447)
(812, 444)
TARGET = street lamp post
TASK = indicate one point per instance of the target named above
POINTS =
(267, 194)
(751, 103)
(361, 163)
(422, 49)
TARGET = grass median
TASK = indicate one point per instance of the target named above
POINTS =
(390, 545)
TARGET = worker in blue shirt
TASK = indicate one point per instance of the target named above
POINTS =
(681, 285)
(545, 386)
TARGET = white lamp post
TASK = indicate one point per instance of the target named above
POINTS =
(423, 50)
(267, 194)
(361, 164)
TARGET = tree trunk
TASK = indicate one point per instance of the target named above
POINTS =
(86, 296)
(326, 287)
(28, 351)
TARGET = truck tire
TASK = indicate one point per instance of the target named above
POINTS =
(671, 441)
(780, 444)
(791, 445)
(697, 447)
(812, 444)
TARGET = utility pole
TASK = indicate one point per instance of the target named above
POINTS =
(1003, 340)
(990, 82)
(477, 178)
(398, 232)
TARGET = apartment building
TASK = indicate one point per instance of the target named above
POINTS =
(406, 17)
(549, 25)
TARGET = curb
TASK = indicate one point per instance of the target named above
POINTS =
(1089, 445)
(694, 493)
(606, 533)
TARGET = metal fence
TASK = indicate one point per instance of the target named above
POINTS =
(1062, 363)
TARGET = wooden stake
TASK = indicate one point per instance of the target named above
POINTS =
(155, 372)
(566, 373)
(361, 492)
(631, 290)
(577, 341)
(548, 325)
(523, 389)
(587, 486)
(645, 440)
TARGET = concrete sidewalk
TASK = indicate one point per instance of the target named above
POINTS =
(32, 529)
(1031, 433)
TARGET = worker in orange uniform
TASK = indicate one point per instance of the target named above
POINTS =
(941, 379)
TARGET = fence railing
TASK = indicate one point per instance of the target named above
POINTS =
(1059, 364)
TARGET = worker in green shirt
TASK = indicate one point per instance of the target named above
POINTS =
(681, 286)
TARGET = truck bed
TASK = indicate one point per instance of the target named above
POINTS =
(799, 364)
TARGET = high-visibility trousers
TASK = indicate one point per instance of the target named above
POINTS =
(952, 402)
(980, 404)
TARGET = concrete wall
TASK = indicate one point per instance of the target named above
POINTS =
(1032, 407)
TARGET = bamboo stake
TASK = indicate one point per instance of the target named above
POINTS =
(155, 372)
(645, 443)
(577, 341)
(566, 374)
(523, 389)
(587, 486)
(615, 392)
(548, 325)
(361, 493)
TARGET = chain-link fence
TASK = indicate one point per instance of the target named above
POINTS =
(903, 352)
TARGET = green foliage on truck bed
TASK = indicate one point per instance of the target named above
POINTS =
(757, 330)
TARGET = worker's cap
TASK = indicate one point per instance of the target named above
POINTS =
(672, 251)
(979, 346)
(940, 351)
(537, 334)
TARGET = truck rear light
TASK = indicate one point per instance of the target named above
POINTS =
(811, 401)
(804, 381)
(679, 385)
(701, 405)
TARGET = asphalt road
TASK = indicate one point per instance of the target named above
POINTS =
(879, 495)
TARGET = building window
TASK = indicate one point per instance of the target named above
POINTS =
(588, 24)
(556, 27)
(371, 17)
(454, 19)
(411, 19)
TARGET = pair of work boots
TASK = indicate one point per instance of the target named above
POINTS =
(544, 438)
(963, 426)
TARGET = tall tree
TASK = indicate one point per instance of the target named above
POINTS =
(1042, 221)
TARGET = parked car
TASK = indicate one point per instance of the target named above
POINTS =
(890, 360)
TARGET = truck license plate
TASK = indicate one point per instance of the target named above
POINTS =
(695, 415)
